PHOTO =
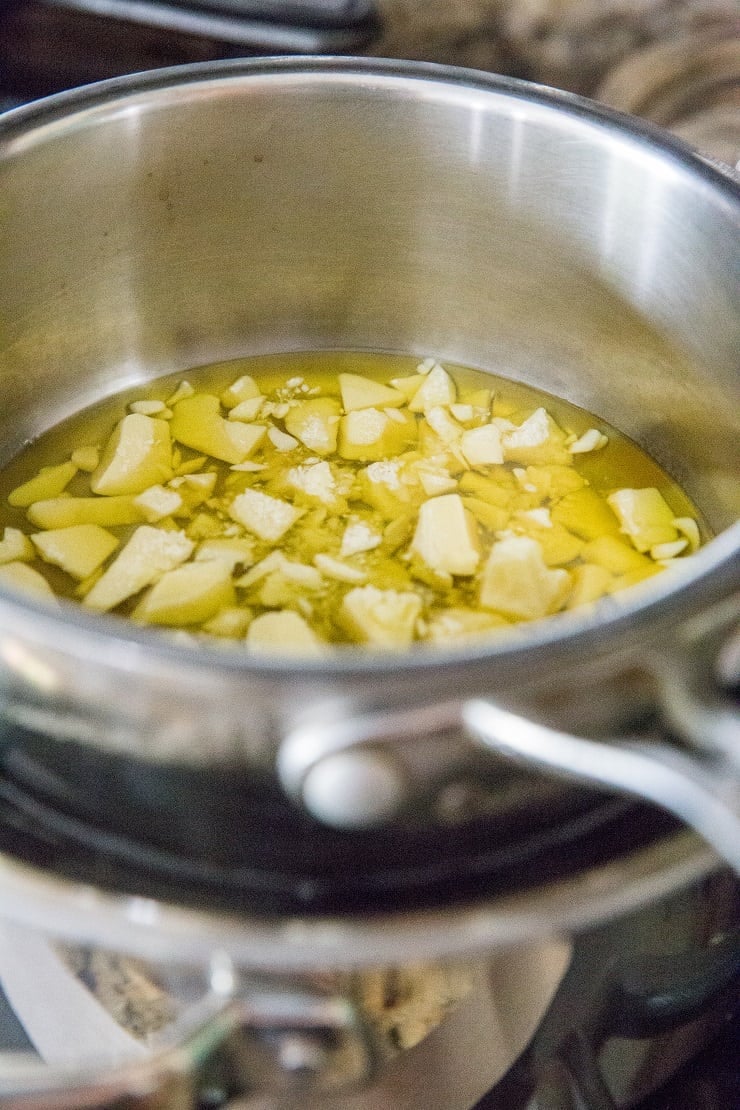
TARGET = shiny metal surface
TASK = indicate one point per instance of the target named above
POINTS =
(291, 204)
(338, 1042)
(466, 1024)
(154, 929)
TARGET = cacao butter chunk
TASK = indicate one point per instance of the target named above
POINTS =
(482, 446)
(49, 482)
(537, 441)
(229, 624)
(236, 551)
(615, 555)
(247, 410)
(380, 618)
(644, 516)
(268, 518)
(462, 624)
(358, 537)
(585, 513)
(315, 423)
(369, 435)
(197, 423)
(490, 516)
(315, 480)
(137, 455)
(19, 576)
(15, 546)
(434, 479)
(157, 502)
(189, 594)
(63, 512)
(408, 385)
(283, 633)
(149, 554)
(554, 482)
(79, 550)
(243, 389)
(364, 393)
(590, 582)
(446, 536)
(517, 583)
(437, 388)
(86, 458)
(444, 425)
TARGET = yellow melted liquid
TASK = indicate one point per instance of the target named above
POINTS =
(523, 496)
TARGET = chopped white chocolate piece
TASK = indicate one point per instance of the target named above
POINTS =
(592, 440)
(457, 624)
(381, 618)
(85, 458)
(243, 389)
(315, 423)
(281, 441)
(234, 551)
(149, 408)
(247, 410)
(184, 389)
(364, 393)
(249, 466)
(446, 536)
(482, 446)
(15, 546)
(440, 421)
(283, 633)
(342, 572)
(358, 537)
(156, 503)
(363, 427)
(644, 516)
(79, 550)
(688, 528)
(137, 455)
(660, 551)
(315, 480)
(517, 583)
(48, 483)
(197, 423)
(188, 594)
(435, 479)
(146, 557)
(437, 389)
(19, 576)
(537, 440)
(268, 518)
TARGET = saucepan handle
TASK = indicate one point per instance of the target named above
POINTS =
(693, 773)
(359, 772)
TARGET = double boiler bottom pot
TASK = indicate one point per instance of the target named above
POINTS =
(370, 810)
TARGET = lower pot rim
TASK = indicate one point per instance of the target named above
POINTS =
(166, 931)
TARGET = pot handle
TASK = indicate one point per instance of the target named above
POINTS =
(363, 771)
(702, 794)
(699, 782)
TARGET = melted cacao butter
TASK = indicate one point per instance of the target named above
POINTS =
(292, 502)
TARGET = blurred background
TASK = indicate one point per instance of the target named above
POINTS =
(674, 61)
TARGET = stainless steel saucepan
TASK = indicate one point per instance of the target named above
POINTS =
(162, 221)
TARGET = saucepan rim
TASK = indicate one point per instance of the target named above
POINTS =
(713, 572)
